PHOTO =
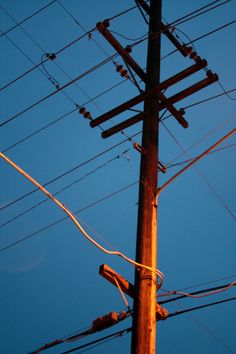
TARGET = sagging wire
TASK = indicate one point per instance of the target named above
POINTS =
(123, 296)
(128, 38)
(194, 52)
(225, 91)
(65, 188)
(52, 79)
(58, 221)
(138, 265)
(184, 294)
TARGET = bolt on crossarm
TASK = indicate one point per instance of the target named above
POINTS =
(144, 315)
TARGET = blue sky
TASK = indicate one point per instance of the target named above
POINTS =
(50, 286)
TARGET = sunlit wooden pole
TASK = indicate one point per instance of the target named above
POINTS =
(144, 314)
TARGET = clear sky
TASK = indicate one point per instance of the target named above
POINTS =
(50, 286)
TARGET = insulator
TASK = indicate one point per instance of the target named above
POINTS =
(85, 113)
(106, 23)
(119, 68)
(128, 49)
(124, 73)
(51, 56)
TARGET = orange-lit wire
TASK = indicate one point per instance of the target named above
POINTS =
(72, 217)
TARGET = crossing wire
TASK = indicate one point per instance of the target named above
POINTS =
(87, 72)
(68, 171)
(64, 48)
(58, 221)
(27, 18)
(129, 329)
(194, 13)
(98, 168)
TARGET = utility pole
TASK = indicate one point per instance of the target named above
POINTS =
(146, 310)
(144, 314)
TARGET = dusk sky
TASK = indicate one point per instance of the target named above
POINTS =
(49, 272)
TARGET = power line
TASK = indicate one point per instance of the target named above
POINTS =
(58, 221)
(192, 158)
(64, 48)
(69, 214)
(87, 72)
(203, 36)
(27, 18)
(44, 61)
(194, 13)
(67, 172)
(98, 168)
(60, 118)
(206, 292)
(220, 199)
(48, 75)
(129, 329)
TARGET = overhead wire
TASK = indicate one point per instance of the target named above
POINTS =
(131, 77)
(220, 199)
(194, 14)
(59, 118)
(129, 329)
(58, 221)
(197, 294)
(52, 79)
(67, 172)
(76, 181)
(87, 72)
(202, 36)
(192, 158)
(138, 265)
(207, 330)
(27, 18)
(44, 61)
(65, 47)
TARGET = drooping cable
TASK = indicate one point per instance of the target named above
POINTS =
(88, 174)
(129, 329)
(66, 172)
(87, 72)
(197, 294)
(202, 36)
(58, 221)
(220, 199)
(158, 273)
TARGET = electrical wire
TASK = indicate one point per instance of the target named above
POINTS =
(202, 36)
(89, 330)
(67, 172)
(226, 92)
(220, 199)
(58, 221)
(129, 329)
(210, 133)
(197, 294)
(59, 118)
(189, 16)
(209, 282)
(39, 64)
(27, 18)
(157, 272)
(191, 159)
(209, 98)
(128, 38)
(87, 72)
(98, 341)
(26, 211)
(65, 47)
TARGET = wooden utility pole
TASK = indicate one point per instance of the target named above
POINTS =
(144, 314)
